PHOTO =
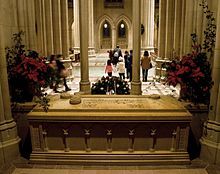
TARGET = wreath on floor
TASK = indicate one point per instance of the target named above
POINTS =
(110, 85)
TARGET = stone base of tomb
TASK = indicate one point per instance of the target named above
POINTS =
(111, 130)
(113, 158)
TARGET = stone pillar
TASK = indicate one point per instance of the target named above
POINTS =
(170, 29)
(76, 35)
(39, 26)
(70, 25)
(182, 34)
(114, 35)
(177, 26)
(49, 27)
(84, 37)
(91, 29)
(21, 10)
(188, 30)
(210, 141)
(199, 21)
(5, 97)
(136, 84)
(148, 22)
(44, 30)
(57, 26)
(8, 131)
(64, 28)
(162, 28)
(1, 107)
(31, 24)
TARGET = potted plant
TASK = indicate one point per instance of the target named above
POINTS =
(193, 70)
(27, 72)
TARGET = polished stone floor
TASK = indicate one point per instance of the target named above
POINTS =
(96, 71)
(22, 166)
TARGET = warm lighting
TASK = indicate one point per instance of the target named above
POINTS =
(122, 25)
(105, 25)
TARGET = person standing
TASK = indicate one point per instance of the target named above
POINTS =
(129, 67)
(52, 70)
(121, 68)
(116, 54)
(126, 63)
(62, 73)
(109, 68)
(145, 64)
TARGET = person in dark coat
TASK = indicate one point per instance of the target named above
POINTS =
(126, 63)
(61, 73)
(129, 67)
(116, 54)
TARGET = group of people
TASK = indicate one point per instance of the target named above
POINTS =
(115, 63)
(58, 72)
(124, 65)
(119, 64)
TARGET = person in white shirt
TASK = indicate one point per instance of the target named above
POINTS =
(121, 68)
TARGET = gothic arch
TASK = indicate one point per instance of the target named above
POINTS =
(127, 21)
(100, 22)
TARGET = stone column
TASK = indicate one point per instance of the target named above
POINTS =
(162, 28)
(57, 26)
(187, 47)
(39, 26)
(84, 37)
(5, 97)
(170, 29)
(182, 34)
(21, 10)
(114, 35)
(49, 27)
(136, 84)
(210, 141)
(70, 25)
(44, 30)
(76, 36)
(8, 131)
(177, 26)
(199, 21)
(1, 107)
(91, 29)
(148, 22)
(64, 28)
(31, 24)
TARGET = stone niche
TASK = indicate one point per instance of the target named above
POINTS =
(113, 130)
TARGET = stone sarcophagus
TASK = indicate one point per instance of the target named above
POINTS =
(112, 130)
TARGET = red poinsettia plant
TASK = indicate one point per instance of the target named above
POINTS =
(32, 69)
(193, 73)
(27, 71)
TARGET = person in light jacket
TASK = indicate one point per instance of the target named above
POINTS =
(121, 68)
(145, 64)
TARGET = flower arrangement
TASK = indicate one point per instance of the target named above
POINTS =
(31, 68)
(193, 71)
(110, 85)
(27, 72)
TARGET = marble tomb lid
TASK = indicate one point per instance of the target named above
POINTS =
(114, 107)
